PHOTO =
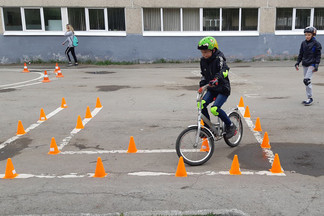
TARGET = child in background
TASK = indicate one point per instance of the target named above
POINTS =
(70, 34)
(310, 56)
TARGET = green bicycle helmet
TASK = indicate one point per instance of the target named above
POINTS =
(207, 43)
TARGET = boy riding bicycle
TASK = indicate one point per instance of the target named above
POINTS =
(214, 71)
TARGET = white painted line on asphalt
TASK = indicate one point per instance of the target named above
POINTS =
(268, 152)
(18, 83)
(154, 151)
(67, 139)
(143, 174)
(31, 127)
(208, 173)
(71, 175)
(29, 84)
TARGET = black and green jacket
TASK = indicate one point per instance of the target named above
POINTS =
(215, 67)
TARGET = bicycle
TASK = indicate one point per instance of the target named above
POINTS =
(196, 143)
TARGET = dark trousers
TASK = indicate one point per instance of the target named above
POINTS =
(67, 51)
(220, 100)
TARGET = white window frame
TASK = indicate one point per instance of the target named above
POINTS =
(65, 20)
(201, 32)
(294, 31)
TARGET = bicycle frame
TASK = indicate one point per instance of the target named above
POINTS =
(215, 129)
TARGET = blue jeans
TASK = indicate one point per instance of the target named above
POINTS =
(220, 100)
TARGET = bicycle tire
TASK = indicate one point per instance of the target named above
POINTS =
(236, 139)
(192, 155)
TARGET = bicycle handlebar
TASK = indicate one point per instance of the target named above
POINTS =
(201, 91)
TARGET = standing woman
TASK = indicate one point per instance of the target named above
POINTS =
(70, 34)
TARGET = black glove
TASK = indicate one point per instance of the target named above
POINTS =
(297, 66)
(316, 67)
(213, 82)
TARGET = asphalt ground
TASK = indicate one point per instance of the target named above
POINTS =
(154, 103)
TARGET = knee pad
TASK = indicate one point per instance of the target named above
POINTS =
(201, 104)
(307, 81)
(214, 110)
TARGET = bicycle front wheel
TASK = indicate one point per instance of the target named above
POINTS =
(236, 139)
(195, 153)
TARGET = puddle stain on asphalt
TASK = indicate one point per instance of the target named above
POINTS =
(14, 148)
(7, 90)
(108, 88)
(305, 159)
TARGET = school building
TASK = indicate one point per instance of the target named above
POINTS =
(150, 30)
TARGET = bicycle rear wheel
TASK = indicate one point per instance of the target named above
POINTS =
(195, 153)
(236, 139)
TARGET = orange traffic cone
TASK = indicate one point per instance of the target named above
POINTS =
(20, 129)
(265, 141)
(181, 169)
(46, 79)
(204, 146)
(276, 167)
(79, 123)
(247, 112)
(241, 103)
(63, 105)
(53, 147)
(100, 170)
(56, 68)
(10, 170)
(59, 73)
(98, 104)
(42, 116)
(131, 147)
(235, 168)
(25, 69)
(257, 125)
(88, 113)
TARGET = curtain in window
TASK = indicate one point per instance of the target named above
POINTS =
(302, 18)
(284, 19)
(319, 18)
(116, 19)
(152, 19)
(230, 19)
(97, 19)
(77, 18)
(249, 19)
(190, 19)
(171, 19)
(211, 19)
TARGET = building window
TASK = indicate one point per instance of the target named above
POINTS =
(97, 19)
(33, 19)
(171, 19)
(249, 19)
(196, 21)
(230, 19)
(53, 19)
(190, 19)
(211, 19)
(12, 19)
(302, 18)
(284, 19)
(152, 19)
(116, 19)
(77, 18)
(319, 18)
